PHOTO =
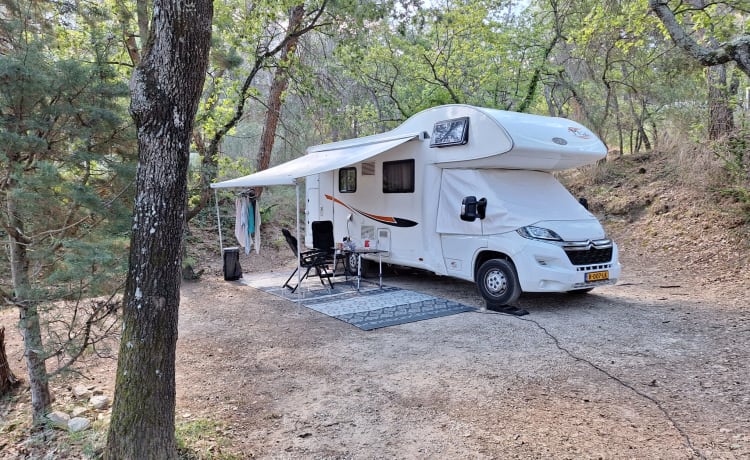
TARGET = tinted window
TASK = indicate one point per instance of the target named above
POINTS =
(348, 180)
(398, 176)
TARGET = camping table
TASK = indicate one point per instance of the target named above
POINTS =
(358, 252)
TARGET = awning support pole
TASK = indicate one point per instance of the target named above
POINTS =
(299, 257)
(218, 221)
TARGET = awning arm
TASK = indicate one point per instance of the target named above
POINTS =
(299, 256)
(218, 222)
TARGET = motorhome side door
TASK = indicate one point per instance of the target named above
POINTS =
(316, 206)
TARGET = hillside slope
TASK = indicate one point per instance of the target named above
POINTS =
(670, 220)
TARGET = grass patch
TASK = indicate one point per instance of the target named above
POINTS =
(203, 439)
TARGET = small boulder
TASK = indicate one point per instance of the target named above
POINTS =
(81, 392)
(99, 402)
(77, 424)
(58, 419)
(78, 410)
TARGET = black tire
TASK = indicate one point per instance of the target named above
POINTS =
(351, 264)
(498, 282)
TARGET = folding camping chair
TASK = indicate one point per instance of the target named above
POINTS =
(322, 236)
(312, 259)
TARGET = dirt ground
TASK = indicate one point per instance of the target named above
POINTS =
(649, 368)
(656, 366)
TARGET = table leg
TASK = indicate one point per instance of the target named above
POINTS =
(380, 270)
(359, 269)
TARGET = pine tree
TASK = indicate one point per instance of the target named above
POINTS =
(64, 155)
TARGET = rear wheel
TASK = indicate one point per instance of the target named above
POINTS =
(498, 282)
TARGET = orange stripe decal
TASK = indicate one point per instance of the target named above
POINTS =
(395, 221)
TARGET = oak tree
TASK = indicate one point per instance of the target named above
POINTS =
(165, 91)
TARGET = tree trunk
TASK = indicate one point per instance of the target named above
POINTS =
(165, 90)
(41, 398)
(278, 86)
(7, 379)
(720, 114)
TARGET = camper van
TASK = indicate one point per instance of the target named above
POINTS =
(461, 191)
(467, 192)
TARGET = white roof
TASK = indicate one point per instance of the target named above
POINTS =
(316, 162)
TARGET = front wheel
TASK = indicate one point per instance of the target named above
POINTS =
(498, 282)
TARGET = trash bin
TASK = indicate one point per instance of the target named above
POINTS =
(232, 268)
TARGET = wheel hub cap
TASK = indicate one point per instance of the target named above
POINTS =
(496, 282)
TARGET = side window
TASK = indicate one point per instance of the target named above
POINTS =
(348, 180)
(398, 176)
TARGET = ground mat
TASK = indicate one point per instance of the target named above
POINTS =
(369, 308)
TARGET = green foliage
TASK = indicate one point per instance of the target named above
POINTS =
(266, 212)
(65, 148)
(455, 52)
(616, 73)
(67, 152)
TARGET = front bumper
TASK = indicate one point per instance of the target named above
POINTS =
(548, 267)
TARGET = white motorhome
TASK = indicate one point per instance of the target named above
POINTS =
(465, 192)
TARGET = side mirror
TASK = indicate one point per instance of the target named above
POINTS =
(471, 208)
(482, 207)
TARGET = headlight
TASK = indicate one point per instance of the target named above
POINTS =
(538, 233)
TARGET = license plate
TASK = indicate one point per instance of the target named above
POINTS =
(597, 276)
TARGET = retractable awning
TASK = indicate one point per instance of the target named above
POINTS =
(316, 162)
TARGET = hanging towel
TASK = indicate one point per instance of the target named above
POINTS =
(257, 229)
(248, 209)
(240, 220)
(251, 217)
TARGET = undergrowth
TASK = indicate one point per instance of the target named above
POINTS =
(732, 152)
(715, 173)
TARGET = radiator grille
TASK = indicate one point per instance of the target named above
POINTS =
(590, 256)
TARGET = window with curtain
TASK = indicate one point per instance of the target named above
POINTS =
(348, 180)
(398, 176)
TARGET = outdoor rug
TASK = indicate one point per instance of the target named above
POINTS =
(370, 308)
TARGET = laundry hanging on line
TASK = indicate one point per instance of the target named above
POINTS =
(247, 220)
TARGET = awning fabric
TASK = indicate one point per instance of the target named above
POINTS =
(313, 163)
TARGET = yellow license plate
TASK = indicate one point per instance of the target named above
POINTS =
(597, 276)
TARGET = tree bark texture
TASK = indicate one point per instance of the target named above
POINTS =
(165, 90)
(29, 324)
(8, 380)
